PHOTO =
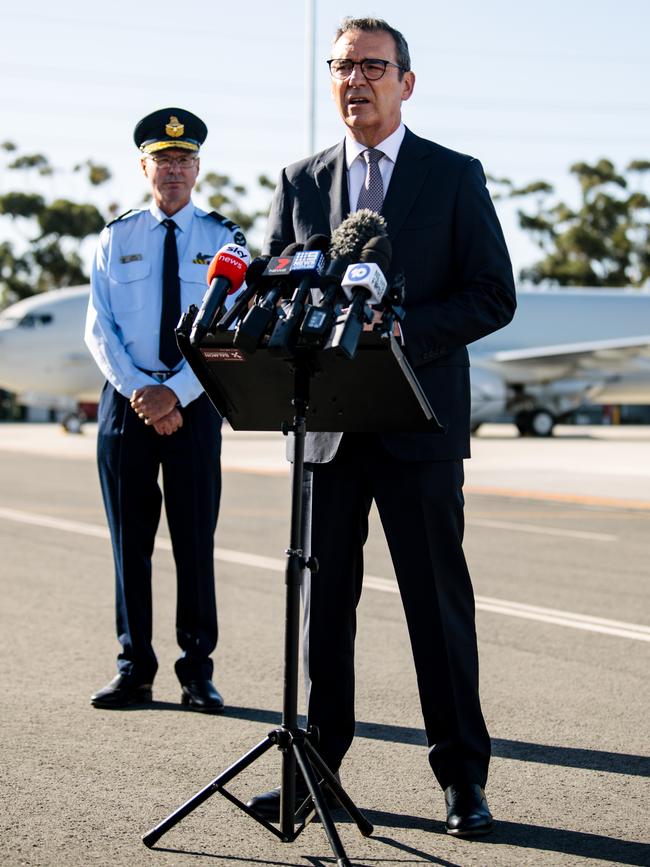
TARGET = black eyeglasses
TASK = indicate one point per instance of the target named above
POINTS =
(371, 68)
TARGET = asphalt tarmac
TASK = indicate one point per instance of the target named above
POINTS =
(557, 541)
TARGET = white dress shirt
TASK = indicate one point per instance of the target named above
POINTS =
(356, 164)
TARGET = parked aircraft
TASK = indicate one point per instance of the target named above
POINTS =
(43, 357)
(564, 348)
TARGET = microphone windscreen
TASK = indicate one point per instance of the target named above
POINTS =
(379, 250)
(317, 242)
(354, 233)
(292, 249)
(256, 269)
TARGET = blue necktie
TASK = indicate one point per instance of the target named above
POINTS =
(371, 195)
(170, 313)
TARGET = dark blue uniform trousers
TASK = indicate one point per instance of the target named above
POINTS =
(130, 455)
(420, 504)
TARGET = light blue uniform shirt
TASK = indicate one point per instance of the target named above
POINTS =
(123, 321)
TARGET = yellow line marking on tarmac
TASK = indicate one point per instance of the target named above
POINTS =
(541, 530)
(274, 564)
(254, 471)
(547, 496)
(582, 499)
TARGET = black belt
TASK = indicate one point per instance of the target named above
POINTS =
(158, 375)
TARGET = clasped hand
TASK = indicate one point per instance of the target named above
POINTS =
(157, 406)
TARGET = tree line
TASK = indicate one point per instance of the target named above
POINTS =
(602, 241)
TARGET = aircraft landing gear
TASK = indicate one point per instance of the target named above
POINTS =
(536, 423)
(72, 422)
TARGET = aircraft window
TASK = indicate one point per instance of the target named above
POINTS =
(33, 320)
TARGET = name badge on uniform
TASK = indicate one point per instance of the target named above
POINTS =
(132, 257)
(202, 258)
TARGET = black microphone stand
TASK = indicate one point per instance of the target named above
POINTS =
(297, 745)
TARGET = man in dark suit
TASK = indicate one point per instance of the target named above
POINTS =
(447, 240)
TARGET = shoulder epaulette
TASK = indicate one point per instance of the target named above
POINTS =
(123, 216)
(238, 235)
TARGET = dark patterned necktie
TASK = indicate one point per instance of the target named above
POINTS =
(371, 195)
(171, 300)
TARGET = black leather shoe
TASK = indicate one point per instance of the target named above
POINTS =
(121, 692)
(468, 814)
(267, 805)
(201, 695)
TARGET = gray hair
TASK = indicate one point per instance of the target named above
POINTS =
(378, 25)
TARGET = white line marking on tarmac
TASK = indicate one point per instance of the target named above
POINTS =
(536, 612)
(543, 531)
(54, 523)
(373, 582)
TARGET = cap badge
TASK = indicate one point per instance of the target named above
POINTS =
(174, 128)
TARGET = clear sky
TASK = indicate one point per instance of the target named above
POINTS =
(528, 87)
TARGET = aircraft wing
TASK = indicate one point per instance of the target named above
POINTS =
(544, 363)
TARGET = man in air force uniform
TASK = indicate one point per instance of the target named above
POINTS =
(150, 265)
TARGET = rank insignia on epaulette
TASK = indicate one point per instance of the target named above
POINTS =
(132, 257)
(238, 235)
(174, 128)
(202, 259)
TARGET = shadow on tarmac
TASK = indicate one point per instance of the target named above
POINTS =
(525, 836)
(568, 757)
(230, 858)
(573, 757)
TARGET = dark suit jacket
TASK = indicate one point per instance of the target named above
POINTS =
(447, 239)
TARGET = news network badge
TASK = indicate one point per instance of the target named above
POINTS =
(235, 250)
(357, 273)
(308, 260)
(278, 266)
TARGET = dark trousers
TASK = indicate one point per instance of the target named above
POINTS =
(130, 455)
(421, 509)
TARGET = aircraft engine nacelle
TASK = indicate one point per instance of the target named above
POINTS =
(489, 395)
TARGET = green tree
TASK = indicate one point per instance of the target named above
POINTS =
(45, 252)
(228, 197)
(52, 233)
(97, 174)
(604, 241)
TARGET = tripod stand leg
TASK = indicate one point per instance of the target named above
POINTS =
(151, 837)
(335, 786)
(320, 804)
(288, 794)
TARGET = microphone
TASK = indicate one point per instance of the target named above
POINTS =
(364, 282)
(348, 240)
(368, 277)
(307, 266)
(253, 277)
(253, 326)
(225, 275)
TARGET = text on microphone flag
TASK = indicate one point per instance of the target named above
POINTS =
(231, 261)
(308, 260)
